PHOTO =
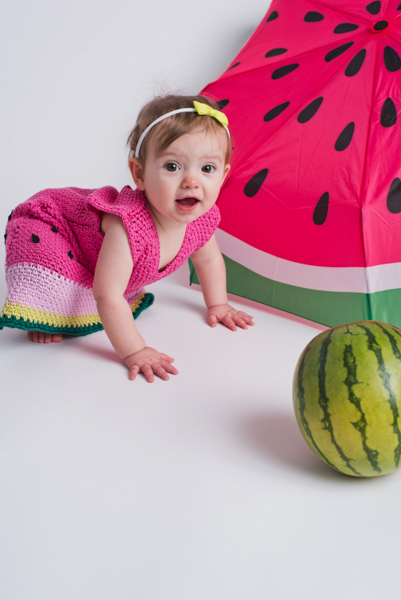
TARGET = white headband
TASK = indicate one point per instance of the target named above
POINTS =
(173, 112)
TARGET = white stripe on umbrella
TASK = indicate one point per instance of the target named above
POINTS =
(328, 279)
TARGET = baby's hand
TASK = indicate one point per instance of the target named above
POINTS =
(231, 318)
(150, 361)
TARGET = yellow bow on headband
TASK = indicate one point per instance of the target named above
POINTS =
(205, 109)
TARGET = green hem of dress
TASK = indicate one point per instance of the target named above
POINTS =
(77, 330)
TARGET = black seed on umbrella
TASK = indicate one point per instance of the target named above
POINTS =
(321, 209)
(222, 103)
(313, 17)
(255, 183)
(10, 215)
(282, 71)
(35, 239)
(394, 197)
(380, 25)
(5, 237)
(337, 51)
(392, 60)
(399, 7)
(310, 111)
(345, 27)
(234, 65)
(275, 112)
(388, 116)
(275, 52)
(70, 254)
(54, 230)
(374, 7)
(272, 16)
(345, 137)
(355, 64)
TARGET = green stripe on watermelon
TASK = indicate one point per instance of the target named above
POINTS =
(347, 398)
(386, 378)
(301, 404)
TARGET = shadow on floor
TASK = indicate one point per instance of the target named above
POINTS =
(93, 349)
(276, 434)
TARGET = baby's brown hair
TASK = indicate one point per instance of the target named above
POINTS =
(168, 130)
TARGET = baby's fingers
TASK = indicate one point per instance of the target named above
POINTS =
(212, 320)
(169, 367)
(160, 372)
(247, 318)
(148, 372)
(161, 369)
(166, 357)
(133, 372)
(242, 322)
(228, 322)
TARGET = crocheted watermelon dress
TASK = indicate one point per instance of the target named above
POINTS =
(52, 245)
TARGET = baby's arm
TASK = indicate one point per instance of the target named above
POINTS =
(211, 272)
(113, 271)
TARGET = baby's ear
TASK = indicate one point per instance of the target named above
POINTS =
(227, 168)
(137, 172)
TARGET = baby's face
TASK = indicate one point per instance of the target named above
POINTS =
(184, 182)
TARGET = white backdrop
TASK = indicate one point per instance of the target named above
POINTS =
(200, 488)
(74, 75)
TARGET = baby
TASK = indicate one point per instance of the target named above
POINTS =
(78, 260)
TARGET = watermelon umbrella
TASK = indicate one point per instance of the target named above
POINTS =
(311, 219)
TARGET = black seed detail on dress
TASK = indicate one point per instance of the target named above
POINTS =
(337, 52)
(70, 254)
(275, 112)
(345, 137)
(10, 215)
(282, 71)
(392, 60)
(321, 209)
(222, 103)
(234, 65)
(307, 113)
(313, 17)
(399, 7)
(355, 64)
(276, 52)
(380, 25)
(35, 239)
(255, 183)
(54, 230)
(388, 116)
(374, 7)
(394, 197)
(345, 27)
(272, 16)
(5, 237)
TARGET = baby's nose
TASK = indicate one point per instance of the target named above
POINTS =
(190, 181)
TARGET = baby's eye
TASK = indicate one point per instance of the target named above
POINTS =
(208, 169)
(171, 167)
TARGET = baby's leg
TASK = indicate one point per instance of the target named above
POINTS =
(44, 338)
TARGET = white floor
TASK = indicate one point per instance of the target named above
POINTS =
(199, 488)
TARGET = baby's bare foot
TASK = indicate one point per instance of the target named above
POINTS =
(44, 338)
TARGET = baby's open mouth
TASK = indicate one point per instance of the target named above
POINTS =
(187, 201)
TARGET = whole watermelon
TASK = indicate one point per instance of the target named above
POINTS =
(347, 397)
